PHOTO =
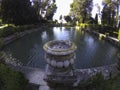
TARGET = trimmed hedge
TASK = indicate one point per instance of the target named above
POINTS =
(6, 31)
(113, 31)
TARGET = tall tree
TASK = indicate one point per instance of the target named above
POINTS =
(17, 12)
(96, 19)
(117, 2)
(37, 6)
(110, 12)
(82, 9)
(50, 11)
(45, 8)
(67, 18)
(105, 16)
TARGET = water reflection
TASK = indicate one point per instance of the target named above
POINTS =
(90, 52)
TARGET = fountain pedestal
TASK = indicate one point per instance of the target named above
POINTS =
(60, 56)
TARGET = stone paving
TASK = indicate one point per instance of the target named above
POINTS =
(36, 75)
(84, 74)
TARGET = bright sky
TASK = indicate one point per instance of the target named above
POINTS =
(64, 8)
(95, 10)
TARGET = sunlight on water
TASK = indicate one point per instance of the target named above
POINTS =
(91, 51)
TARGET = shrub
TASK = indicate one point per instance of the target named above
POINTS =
(101, 29)
(11, 80)
(97, 82)
(4, 32)
(7, 31)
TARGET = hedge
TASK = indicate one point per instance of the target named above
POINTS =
(6, 31)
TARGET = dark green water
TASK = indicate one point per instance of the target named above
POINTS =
(91, 51)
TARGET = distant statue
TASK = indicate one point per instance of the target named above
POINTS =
(61, 20)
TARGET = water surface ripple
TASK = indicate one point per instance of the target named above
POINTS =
(91, 52)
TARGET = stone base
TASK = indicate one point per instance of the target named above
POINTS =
(63, 79)
(60, 81)
(59, 71)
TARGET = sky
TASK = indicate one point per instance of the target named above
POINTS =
(95, 10)
(63, 7)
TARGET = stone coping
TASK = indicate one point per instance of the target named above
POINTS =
(112, 40)
(36, 75)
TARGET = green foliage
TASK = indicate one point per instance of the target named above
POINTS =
(11, 80)
(42, 6)
(83, 25)
(25, 12)
(91, 20)
(7, 31)
(101, 29)
(50, 11)
(17, 12)
(24, 27)
(97, 82)
(82, 9)
(110, 12)
(67, 18)
(4, 32)
(108, 15)
(119, 34)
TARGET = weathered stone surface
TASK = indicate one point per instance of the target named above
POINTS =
(59, 47)
(36, 75)
(60, 58)
(84, 74)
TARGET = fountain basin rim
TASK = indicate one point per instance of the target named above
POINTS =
(59, 51)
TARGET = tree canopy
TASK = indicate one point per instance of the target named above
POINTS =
(17, 12)
(82, 9)
(110, 12)
(50, 11)
(20, 12)
(67, 18)
(45, 8)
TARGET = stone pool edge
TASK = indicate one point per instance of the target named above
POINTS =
(110, 39)
(11, 38)
(36, 75)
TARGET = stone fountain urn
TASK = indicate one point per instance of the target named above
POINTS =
(60, 56)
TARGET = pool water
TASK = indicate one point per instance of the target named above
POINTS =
(91, 52)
